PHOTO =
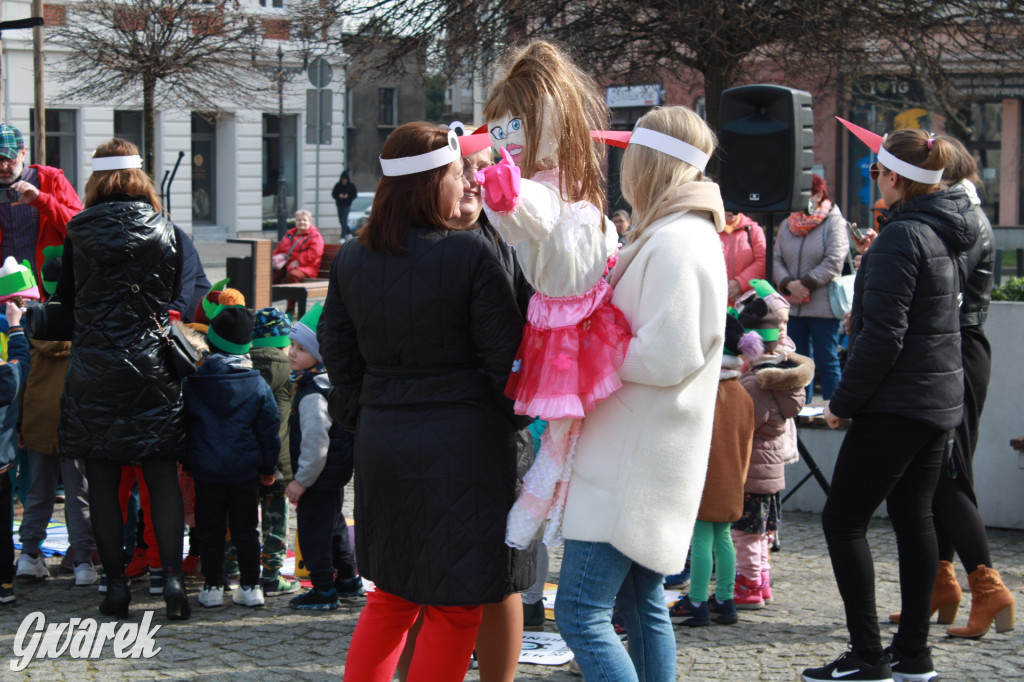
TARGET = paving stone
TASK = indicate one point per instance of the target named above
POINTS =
(803, 627)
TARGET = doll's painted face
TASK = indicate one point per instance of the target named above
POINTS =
(510, 132)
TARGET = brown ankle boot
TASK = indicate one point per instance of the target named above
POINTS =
(946, 595)
(990, 600)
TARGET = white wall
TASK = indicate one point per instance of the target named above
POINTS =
(999, 478)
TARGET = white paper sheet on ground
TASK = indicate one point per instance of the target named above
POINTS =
(56, 541)
(551, 590)
(811, 411)
(544, 648)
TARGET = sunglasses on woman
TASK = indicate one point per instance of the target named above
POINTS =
(875, 170)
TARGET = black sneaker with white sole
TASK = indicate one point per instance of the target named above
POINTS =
(910, 668)
(850, 667)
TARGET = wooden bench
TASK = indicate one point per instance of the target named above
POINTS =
(301, 292)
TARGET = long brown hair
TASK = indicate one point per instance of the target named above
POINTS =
(131, 181)
(962, 166)
(541, 78)
(405, 200)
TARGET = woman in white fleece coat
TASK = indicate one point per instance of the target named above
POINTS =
(642, 454)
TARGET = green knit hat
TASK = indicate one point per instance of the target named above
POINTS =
(231, 329)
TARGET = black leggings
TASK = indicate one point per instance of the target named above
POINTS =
(896, 459)
(958, 523)
(168, 516)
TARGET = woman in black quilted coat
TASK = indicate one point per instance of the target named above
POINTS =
(903, 388)
(122, 404)
(418, 333)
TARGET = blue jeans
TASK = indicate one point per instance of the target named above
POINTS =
(823, 334)
(594, 578)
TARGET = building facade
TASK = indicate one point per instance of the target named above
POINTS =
(226, 180)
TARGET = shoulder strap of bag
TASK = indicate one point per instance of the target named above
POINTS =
(849, 257)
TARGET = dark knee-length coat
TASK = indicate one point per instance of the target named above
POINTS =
(425, 342)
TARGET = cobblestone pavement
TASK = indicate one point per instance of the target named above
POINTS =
(804, 626)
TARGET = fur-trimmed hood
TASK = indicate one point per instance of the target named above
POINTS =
(776, 378)
(778, 395)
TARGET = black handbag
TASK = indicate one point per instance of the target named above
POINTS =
(182, 356)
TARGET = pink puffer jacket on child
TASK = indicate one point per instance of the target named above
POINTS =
(778, 395)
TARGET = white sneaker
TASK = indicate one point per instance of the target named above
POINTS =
(85, 574)
(211, 596)
(248, 595)
(32, 568)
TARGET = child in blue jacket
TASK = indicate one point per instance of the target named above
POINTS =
(233, 446)
(12, 376)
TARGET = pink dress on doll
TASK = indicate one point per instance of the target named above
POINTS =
(573, 344)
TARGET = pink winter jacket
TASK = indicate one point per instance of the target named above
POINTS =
(778, 395)
(744, 250)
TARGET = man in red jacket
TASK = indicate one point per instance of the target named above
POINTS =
(36, 203)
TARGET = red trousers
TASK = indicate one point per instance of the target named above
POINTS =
(443, 647)
(128, 477)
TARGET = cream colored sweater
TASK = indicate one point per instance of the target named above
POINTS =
(642, 455)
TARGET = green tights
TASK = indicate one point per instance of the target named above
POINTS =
(711, 537)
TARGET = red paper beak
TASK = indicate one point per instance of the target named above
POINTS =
(615, 138)
(471, 144)
(872, 140)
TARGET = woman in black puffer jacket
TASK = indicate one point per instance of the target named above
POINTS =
(903, 388)
(122, 403)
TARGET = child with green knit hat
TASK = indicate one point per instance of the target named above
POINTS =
(233, 447)
(322, 462)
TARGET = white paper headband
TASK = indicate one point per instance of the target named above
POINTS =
(670, 145)
(907, 170)
(109, 163)
(407, 165)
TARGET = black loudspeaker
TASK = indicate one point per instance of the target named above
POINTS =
(766, 149)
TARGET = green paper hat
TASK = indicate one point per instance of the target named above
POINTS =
(50, 253)
(17, 278)
(766, 334)
(209, 307)
(312, 317)
(762, 287)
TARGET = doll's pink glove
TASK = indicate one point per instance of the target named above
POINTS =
(500, 183)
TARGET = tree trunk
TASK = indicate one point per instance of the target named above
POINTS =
(716, 81)
(149, 125)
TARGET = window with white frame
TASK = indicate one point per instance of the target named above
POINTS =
(61, 135)
(128, 126)
(387, 107)
(274, 133)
